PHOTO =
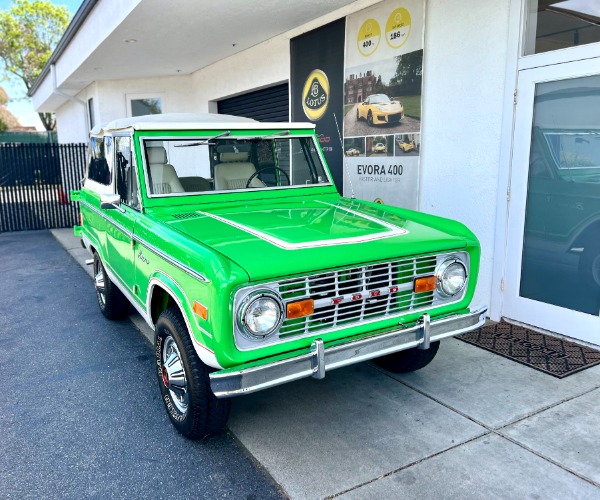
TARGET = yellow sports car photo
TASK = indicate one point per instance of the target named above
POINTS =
(406, 146)
(379, 148)
(352, 152)
(379, 109)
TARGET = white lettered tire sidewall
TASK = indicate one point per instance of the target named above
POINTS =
(205, 413)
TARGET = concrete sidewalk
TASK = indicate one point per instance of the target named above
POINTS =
(470, 425)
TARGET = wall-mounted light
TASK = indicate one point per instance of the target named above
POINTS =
(130, 40)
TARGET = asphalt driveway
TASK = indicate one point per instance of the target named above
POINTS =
(80, 413)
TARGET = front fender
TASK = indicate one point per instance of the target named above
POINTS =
(201, 339)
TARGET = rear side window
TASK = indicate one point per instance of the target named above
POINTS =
(127, 185)
(98, 169)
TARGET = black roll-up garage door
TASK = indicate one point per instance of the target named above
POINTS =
(265, 105)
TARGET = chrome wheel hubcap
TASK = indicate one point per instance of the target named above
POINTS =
(99, 283)
(173, 374)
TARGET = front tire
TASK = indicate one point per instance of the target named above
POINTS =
(184, 382)
(111, 301)
(409, 360)
(370, 118)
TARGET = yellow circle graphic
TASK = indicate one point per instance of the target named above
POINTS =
(378, 200)
(397, 28)
(315, 95)
(369, 36)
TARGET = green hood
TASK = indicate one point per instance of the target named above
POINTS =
(304, 235)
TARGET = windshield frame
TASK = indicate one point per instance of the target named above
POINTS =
(144, 136)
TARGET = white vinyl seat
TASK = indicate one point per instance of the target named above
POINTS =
(164, 177)
(234, 171)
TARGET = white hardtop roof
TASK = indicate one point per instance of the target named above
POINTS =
(192, 121)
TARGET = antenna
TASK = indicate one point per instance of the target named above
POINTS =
(345, 162)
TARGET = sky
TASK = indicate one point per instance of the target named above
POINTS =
(22, 108)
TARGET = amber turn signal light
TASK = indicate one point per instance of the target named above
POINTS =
(426, 284)
(301, 308)
(200, 310)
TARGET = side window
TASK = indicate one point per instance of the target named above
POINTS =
(98, 169)
(127, 185)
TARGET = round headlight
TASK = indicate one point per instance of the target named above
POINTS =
(261, 314)
(451, 277)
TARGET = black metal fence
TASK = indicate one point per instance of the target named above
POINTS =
(35, 184)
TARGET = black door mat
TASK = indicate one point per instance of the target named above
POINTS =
(554, 356)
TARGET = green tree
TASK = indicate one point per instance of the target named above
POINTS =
(379, 87)
(29, 31)
(409, 71)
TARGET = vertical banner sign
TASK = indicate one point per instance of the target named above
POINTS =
(382, 102)
(317, 80)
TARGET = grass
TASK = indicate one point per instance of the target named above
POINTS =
(348, 108)
(412, 105)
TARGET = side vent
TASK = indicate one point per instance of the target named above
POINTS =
(186, 215)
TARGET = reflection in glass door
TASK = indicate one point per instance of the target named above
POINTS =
(561, 241)
(553, 273)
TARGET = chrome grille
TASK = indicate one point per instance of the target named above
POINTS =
(349, 296)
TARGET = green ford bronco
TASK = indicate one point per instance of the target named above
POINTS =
(229, 238)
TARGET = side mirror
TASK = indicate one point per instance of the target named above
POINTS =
(110, 202)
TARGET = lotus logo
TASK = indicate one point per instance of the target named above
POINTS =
(315, 95)
(315, 89)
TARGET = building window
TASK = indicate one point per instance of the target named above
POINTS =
(139, 105)
(559, 24)
(91, 115)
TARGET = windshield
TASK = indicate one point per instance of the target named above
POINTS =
(576, 154)
(379, 99)
(185, 166)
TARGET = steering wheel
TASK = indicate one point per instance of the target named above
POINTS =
(268, 168)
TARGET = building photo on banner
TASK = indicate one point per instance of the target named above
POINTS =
(383, 76)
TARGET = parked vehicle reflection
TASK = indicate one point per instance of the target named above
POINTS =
(561, 253)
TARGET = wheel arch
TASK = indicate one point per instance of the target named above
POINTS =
(164, 292)
(586, 234)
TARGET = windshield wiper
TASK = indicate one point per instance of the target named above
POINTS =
(205, 142)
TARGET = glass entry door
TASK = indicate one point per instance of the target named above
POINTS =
(552, 275)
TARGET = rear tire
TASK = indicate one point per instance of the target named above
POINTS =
(113, 304)
(409, 360)
(184, 382)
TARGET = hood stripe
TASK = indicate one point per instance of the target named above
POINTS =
(390, 232)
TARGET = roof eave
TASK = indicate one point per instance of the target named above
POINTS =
(80, 16)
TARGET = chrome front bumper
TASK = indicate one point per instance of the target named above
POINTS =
(226, 383)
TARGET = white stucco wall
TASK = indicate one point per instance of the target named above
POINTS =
(111, 102)
(175, 93)
(72, 124)
(463, 106)
(261, 66)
